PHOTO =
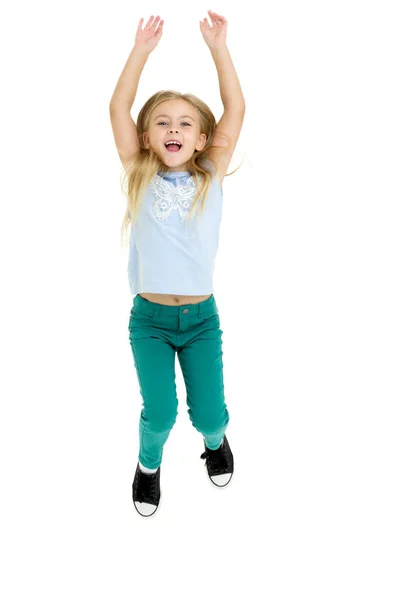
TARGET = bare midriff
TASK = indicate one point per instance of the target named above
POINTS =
(171, 300)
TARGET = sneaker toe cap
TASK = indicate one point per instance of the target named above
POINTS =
(221, 480)
(146, 510)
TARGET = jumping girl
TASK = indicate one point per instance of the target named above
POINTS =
(175, 159)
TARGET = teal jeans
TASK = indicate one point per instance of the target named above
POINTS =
(156, 333)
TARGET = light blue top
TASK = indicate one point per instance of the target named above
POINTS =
(168, 253)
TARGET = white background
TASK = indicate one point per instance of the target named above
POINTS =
(306, 283)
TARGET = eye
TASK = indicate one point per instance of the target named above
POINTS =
(184, 123)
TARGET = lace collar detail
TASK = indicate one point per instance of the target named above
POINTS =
(169, 198)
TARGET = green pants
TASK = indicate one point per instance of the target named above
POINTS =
(156, 332)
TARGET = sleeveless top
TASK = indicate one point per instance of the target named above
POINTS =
(168, 253)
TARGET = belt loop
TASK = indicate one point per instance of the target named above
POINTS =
(156, 311)
(200, 310)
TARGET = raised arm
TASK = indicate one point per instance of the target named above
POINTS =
(145, 42)
(232, 97)
(215, 38)
(123, 126)
(126, 88)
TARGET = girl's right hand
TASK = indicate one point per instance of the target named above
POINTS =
(148, 37)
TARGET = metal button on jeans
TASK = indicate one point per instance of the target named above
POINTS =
(185, 310)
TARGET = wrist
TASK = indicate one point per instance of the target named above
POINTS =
(141, 50)
(219, 48)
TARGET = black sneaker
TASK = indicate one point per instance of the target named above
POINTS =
(219, 463)
(146, 492)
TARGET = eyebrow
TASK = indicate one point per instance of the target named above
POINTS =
(181, 117)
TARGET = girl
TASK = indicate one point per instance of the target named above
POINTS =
(175, 160)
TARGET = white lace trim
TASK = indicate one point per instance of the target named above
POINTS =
(169, 198)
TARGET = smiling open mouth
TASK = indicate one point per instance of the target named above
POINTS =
(173, 146)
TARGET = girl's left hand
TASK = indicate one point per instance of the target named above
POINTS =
(214, 36)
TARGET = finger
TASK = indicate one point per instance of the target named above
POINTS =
(219, 18)
(149, 21)
(140, 24)
(155, 22)
(216, 20)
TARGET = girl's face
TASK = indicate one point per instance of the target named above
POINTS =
(175, 120)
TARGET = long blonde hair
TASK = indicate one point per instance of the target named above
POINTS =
(145, 164)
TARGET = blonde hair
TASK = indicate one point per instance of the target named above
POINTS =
(145, 164)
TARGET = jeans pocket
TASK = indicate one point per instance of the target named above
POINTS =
(213, 321)
(139, 319)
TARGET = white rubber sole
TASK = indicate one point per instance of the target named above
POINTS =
(155, 512)
(214, 485)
